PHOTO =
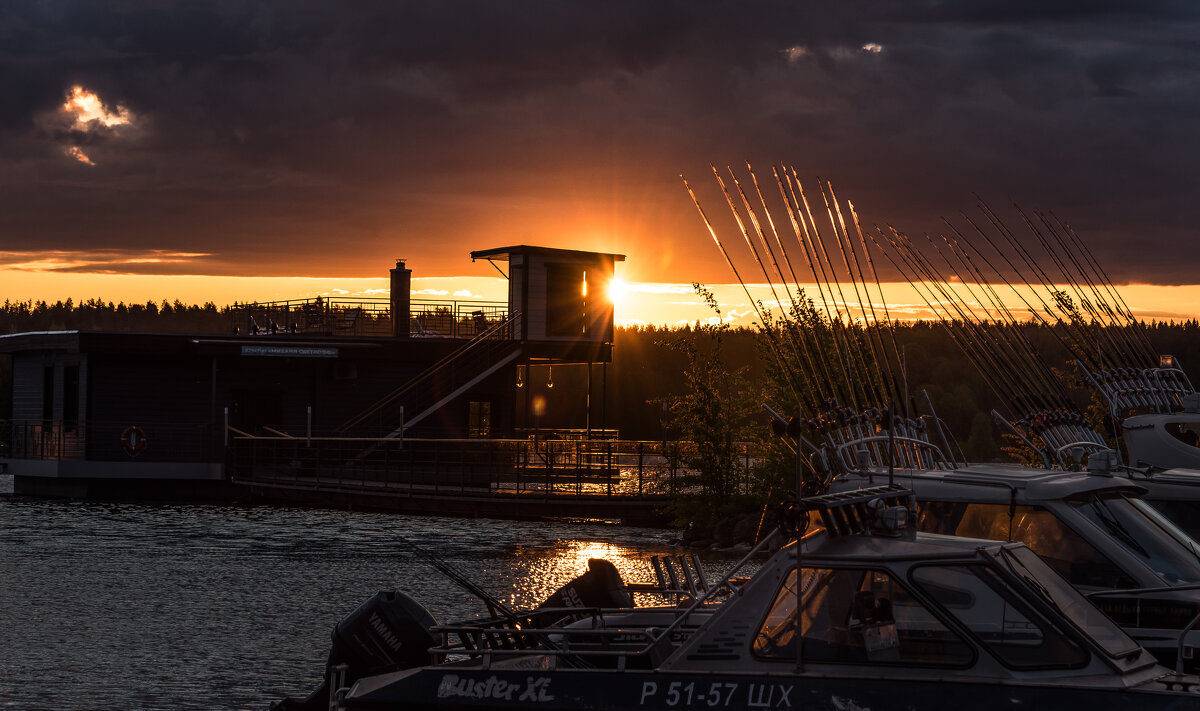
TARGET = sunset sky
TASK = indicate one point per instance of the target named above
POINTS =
(261, 150)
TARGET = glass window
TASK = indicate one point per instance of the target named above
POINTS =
(1136, 530)
(479, 419)
(1183, 513)
(857, 616)
(1186, 432)
(1059, 545)
(1027, 566)
(984, 604)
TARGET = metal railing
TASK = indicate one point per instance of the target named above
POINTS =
(147, 441)
(364, 317)
(472, 466)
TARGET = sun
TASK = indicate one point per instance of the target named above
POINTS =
(617, 289)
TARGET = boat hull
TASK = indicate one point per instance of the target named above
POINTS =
(597, 690)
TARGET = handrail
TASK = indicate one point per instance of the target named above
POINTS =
(918, 443)
(487, 335)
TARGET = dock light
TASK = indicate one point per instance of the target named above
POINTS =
(1167, 361)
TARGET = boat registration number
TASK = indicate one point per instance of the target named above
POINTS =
(716, 694)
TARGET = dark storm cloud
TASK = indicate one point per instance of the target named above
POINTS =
(324, 138)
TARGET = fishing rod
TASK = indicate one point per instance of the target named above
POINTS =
(887, 319)
(1080, 331)
(922, 285)
(1044, 422)
(965, 320)
(967, 346)
(860, 371)
(805, 237)
(796, 391)
(1009, 327)
(1051, 414)
(844, 244)
(1139, 327)
(876, 345)
(1073, 338)
(1126, 328)
(1116, 347)
(494, 603)
(799, 345)
(797, 307)
(1001, 378)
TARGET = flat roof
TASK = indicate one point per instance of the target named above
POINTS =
(502, 253)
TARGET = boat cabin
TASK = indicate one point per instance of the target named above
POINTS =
(1095, 530)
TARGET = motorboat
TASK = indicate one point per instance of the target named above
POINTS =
(857, 611)
(1092, 528)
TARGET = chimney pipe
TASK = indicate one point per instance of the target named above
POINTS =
(401, 288)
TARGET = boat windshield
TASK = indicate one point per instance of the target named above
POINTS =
(1025, 564)
(996, 613)
(1138, 530)
(1064, 550)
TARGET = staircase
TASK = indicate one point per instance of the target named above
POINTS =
(485, 354)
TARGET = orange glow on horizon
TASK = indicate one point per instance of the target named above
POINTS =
(635, 303)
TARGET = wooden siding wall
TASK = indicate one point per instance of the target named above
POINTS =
(29, 378)
(27, 386)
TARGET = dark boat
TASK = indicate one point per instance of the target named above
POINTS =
(862, 612)
(1093, 528)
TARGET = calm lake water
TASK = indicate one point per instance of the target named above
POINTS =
(134, 606)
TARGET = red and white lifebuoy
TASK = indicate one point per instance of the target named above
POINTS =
(133, 439)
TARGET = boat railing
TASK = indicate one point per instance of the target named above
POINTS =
(500, 637)
(880, 450)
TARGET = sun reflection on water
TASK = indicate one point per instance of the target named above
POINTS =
(548, 569)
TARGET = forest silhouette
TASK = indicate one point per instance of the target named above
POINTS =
(648, 367)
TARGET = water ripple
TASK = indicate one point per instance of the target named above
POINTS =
(136, 606)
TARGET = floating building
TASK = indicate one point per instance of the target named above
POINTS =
(383, 397)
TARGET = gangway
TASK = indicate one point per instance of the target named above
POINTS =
(490, 350)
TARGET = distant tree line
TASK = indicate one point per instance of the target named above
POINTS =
(640, 393)
(99, 315)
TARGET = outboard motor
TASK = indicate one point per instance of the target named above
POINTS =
(600, 586)
(388, 632)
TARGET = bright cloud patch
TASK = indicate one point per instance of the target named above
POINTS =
(77, 153)
(86, 107)
(106, 261)
(84, 119)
